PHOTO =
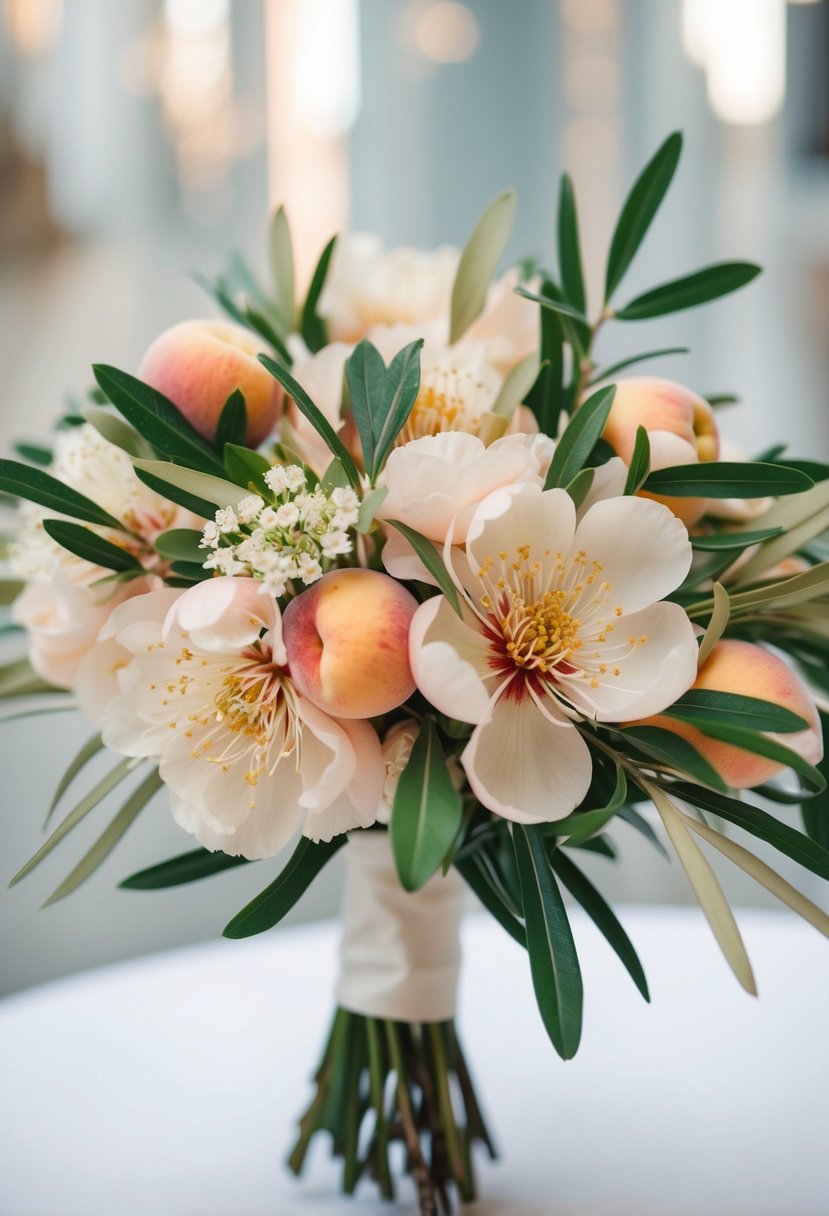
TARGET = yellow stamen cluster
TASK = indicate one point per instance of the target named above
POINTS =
(541, 634)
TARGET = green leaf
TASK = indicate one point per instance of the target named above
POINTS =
(717, 399)
(675, 752)
(199, 506)
(689, 291)
(118, 432)
(79, 812)
(35, 454)
(608, 373)
(478, 263)
(156, 419)
(107, 841)
(281, 258)
(576, 444)
(85, 543)
(580, 486)
(569, 252)
(553, 305)
(365, 374)
(401, 389)
(10, 589)
(802, 518)
(711, 705)
(546, 398)
(705, 886)
(247, 468)
(516, 387)
(581, 825)
(477, 874)
(311, 325)
(272, 904)
(554, 963)
(719, 542)
(641, 825)
(87, 752)
(187, 867)
(232, 426)
(762, 745)
(603, 918)
(369, 507)
(22, 481)
(181, 545)
(315, 416)
(19, 679)
(727, 479)
(717, 624)
(205, 487)
(639, 209)
(759, 823)
(427, 811)
(640, 462)
(432, 560)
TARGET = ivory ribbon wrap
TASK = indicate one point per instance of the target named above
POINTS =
(400, 951)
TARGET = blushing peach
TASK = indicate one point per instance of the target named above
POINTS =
(681, 427)
(198, 364)
(347, 639)
(750, 671)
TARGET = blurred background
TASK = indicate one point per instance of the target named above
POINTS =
(143, 140)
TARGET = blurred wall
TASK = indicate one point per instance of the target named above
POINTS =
(132, 151)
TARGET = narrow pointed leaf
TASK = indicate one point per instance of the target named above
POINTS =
(717, 625)
(89, 750)
(569, 250)
(108, 839)
(674, 752)
(157, 419)
(181, 545)
(607, 373)
(553, 305)
(719, 542)
(603, 917)
(233, 421)
(205, 487)
(118, 432)
(763, 745)
(479, 261)
(246, 468)
(427, 811)
(516, 387)
(311, 325)
(86, 544)
(476, 875)
(581, 825)
(281, 258)
(187, 867)
(726, 479)
(639, 209)
(712, 705)
(689, 291)
(22, 481)
(401, 389)
(365, 374)
(432, 560)
(272, 904)
(705, 886)
(554, 963)
(640, 462)
(577, 442)
(580, 486)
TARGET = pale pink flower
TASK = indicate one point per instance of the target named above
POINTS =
(248, 760)
(559, 621)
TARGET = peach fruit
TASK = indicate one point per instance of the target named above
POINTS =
(347, 639)
(198, 364)
(686, 422)
(750, 671)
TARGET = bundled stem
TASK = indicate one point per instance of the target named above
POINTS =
(382, 1082)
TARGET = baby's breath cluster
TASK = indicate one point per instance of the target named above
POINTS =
(288, 539)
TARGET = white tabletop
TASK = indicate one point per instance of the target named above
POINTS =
(169, 1086)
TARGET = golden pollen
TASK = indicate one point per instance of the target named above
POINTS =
(541, 634)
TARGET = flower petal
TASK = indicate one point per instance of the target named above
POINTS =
(224, 614)
(516, 517)
(523, 766)
(449, 658)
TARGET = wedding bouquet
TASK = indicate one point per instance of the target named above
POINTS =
(404, 568)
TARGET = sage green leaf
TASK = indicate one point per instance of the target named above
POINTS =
(717, 625)
(763, 745)
(118, 432)
(477, 873)
(157, 419)
(369, 507)
(479, 261)
(569, 250)
(272, 904)
(365, 374)
(603, 917)
(607, 373)
(802, 518)
(311, 325)
(107, 841)
(553, 305)
(181, 545)
(580, 486)
(516, 386)
(640, 824)
(554, 964)
(258, 322)
(19, 679)
(689, 291)
(34, 454)
(705, 886)
(727, 479)
(762, 874)
(89, 750)
(640, 462)
(22, 481)
(232, 426)
(432, 560)
(712, 705)
(315, 416)
(86, 544)
(719, 542)
(199, 506)
(576, 444)
(216, 491)
(247, 468)
(10, 589)
(187, 867)
(79, 812)
(639, 208)
(281, 258)
(426, 813)
(401, 389)
(807, 853)
(581, 825)
(674, 752)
